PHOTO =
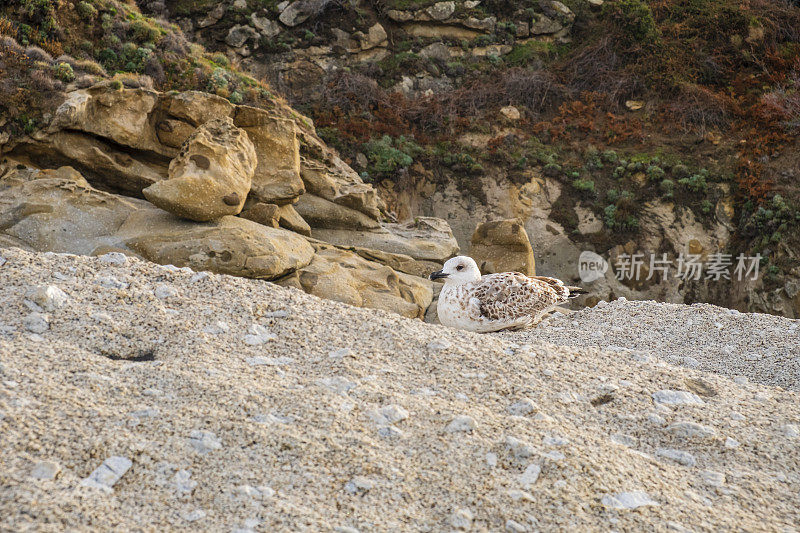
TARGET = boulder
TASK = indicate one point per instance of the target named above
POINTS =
(441, 10)
(502, 246)
(340, 275)
(324, 214)
(239, 34)
(230, 245)
(268, 28)
(196, 107)
(557, 11)
(301, 10)
(277, 176)
(544, 25)
(211, 175)
(424, 239)
(284, 216)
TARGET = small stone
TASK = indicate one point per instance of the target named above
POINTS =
(257, 335)
(531, 475)
(628, 500)
(691, 430)
(792, 431)
(390, 432)
(269, 361)
(624, 440)
(113, 258)
(554, 441)
(510, 112)
(515, 527)
(715, 479)
(731, 443)
(182, 482)
(194, 515)
(461, 423)
(36, 323)
(345, 529)
(387, 415)
(45, 470)
(634, 105)
(439, 345)
(737, 416)
(49, 297)
(204, 441)
(518, 495)
(674, 397)
(358, 484)
(441, 10)
(679, 456)
(523, 407)
(3, 260)
(110, 282)
(341, 353)
(656, 419)
(462, 519)
(200, 276)
(217, 328)
(164, 291)
(107, 474)
(518, 448)
(338, 384)
(491, 459)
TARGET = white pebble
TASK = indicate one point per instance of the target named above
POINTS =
(462, 519)
(515, 527)
(628, 500)
(679, 456)
(491, 459)
(341, 353)
(358, 484)
(217, 328)
(691, 429)
(523, 407)
(461, 423)
(200, 276)
(439, 345)
(107, 474)
(388, 414)
(36, 323)
(530, 476)
(194, 515)
(731, 443)
(258, 334)
(45, 470)
(164, 291)
(110, 282)
(49, 297)
(113, 258)
(715, 479)
(676, 397)
(204, 441)
(791, 430)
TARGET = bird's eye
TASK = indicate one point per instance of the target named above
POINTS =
(460, 267)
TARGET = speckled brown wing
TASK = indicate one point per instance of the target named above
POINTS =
(511, 295)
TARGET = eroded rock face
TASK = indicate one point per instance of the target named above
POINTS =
(502, 246)
(211, 176)
(335, 274)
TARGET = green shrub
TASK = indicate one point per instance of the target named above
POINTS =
(552, 170)
(667, 187)
(63, 72)
(706, 207)
(387, 155)
(609, 156)
(695, 182)
(86, 11)
(655, 173)
(619, 172)
(633, 19)
(584, 185)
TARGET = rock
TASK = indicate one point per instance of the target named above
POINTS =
(213, 17)
(344, 276)
(510, 113)
(523, 407)
(674, 397)
(211, 176)
(49, 297)
(268, 28)
(388, 415)
(634, 105)
(791, 431)
(36, 322)
(462, 423)
(164, 291)
(628, 500)
(274, 216)
(238, 35)
(679, 456)
(543, 25)
(691, 430)
(204, 441)
(400, 16)
(715, 479)
(557, 11)
(358, 484)
(45, 470)
(193, 515)
(438, 51)
(461, 519)
(502, 246)
(257, 335)
(518, 448)
(426, 238)
(441, 10)
(107, 474)
(322, 214)
(399, 262)
(515, 527)
(301, 10)
(530, 476)
(376, 36)
(196, 107)
(230, 245)
(487, 25)
(277, 175)
(114, 258)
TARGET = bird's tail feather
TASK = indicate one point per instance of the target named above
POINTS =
(574, 292)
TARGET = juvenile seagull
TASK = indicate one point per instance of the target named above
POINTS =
(495, 302)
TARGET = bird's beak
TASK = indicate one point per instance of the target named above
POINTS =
(438, 275)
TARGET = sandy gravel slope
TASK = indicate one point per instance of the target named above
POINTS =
(228, 404)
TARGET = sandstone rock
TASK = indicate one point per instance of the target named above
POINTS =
(510, 112)
(344, 276)
(268, 28)
(326, 215)
(557, 11)
(400, 16)
(427, 239)
(230, 245)
(421, 29)
(441, 10)
(436, 51)
(399, 262)
(301, 10)
(213, 17)
(238, 35)
(376, 35)
(197, 107)
(502, 246)
(211, 176)
(544, 25)
(277, 176)
(340, 184)
(284, 216)
(486, 25)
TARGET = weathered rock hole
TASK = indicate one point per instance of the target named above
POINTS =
(231, 199)
(201, 161)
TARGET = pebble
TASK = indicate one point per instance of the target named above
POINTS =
(518, 495)
(792, 431)
(269, 361)
(676, 397)
(110, 282)
(491, 459)
(358, 484)
(36, 323)
(624, 440)
(217, 328)
(341, 353)
(45, 470)
(2, 260)
(200, 276)
(731, 443)
(515, 527)
(204, 441)
(390, 432)
(691, 429)
(462, 519)
(387, 415)
(182, 482)
(345, 529)
(113, 258)
(679, 456)
(338, 384)
(628, 500)
(519, 448)
(107, 474)
(737, 416)
(257, 335)
(461, 423)
(554, 441)
(554, 455)
(523, 407)
(164, 291)
(49, 297)
(194, 515)
(715, 479)
(439, 345)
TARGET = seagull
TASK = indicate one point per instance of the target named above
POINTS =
(495, 302)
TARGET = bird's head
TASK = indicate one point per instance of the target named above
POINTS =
(458, 270)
